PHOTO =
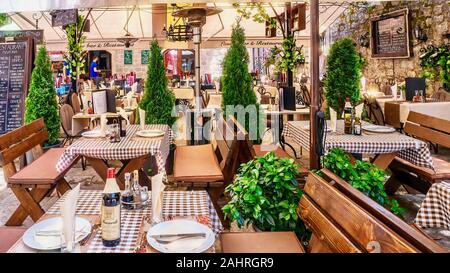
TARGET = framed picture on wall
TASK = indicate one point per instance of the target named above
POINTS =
(128, 56)
(390, 35)
(145, 54)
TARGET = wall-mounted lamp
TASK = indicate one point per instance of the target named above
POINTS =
(420, 34)
(364, 40)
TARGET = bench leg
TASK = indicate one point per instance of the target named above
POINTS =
(392, 184)
(215, 193)
(29, 205)
(62, 186)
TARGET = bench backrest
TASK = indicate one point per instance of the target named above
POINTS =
(246, 150)
(16, 143)
(414, 236)
(340, 225)
(428, 128)
(227, 149)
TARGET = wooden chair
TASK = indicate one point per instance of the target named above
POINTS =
(201, 166)
(37, 180)
(248, 151)
(414, 235)
(427, 128)
(76, 103)
(374, 111)
(440, 96)
(341, 225)
(306, 96)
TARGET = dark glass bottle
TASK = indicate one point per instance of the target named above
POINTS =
(110, 214)
(127, 195)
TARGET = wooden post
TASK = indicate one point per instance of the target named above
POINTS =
(288, 23)
(314, 71)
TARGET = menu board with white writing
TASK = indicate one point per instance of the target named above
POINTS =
(15, 68)
(390, 35)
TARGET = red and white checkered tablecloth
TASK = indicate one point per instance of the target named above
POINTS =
(408, 148)
(435, 209)
(175, 203)
(129, 147)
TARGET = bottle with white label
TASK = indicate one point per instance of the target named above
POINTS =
(110, 217)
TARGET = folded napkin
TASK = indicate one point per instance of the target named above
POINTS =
(124, 115)
(359, 110)
(333, 119)
(103, 121)
(68, 208)
(157, 197)
(394, 91)
(142, 118)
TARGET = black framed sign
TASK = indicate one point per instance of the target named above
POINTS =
(62, 18)
(16, 58)
(128, 56)
(390, 35)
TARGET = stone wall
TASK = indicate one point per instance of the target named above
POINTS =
(432, 15)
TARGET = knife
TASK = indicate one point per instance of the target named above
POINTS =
(162, 236)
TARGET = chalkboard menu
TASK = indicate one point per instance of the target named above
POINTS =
(15, 70)
(128, 57)
(62, 18)
(390, 35)
(144, 56)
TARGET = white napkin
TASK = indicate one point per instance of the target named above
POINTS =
(359, 110)
(157, 197)
(103, 121)
(394, 91)
(68, 208)
(333, 119)
(124, 115)
(142, 118)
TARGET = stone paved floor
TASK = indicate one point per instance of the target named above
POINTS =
(90, 180)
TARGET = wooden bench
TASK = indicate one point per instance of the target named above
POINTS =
(427, 128)
(413, 234)
(248, 151)
(36, 181)
(9, 236)
(203, 166)
(260, 242)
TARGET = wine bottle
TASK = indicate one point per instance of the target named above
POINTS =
(348, 117)
(110, 217)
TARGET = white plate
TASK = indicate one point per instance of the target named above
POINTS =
(150, 133)
(195, 245)
(81, 225)
(92, 134)
(378, 129)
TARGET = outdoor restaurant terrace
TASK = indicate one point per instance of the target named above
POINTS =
(224, 126)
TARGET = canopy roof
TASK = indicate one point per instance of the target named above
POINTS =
(110, 22)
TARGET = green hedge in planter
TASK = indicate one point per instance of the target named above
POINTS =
(41, 101)
(266, 193)
(363, 176)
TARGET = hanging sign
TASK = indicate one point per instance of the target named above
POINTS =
(128, 56)
(145, 54)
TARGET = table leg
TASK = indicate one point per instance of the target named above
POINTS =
(383, 161)
(130, 166)
(99, 166)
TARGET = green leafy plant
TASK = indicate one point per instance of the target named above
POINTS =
(158, 100)
(41, 101)
(288, 57)
(343, 75)
(75, 52)
(237, 84)
(265, 193)
(4, 19)
(435, 63)
(363, 176)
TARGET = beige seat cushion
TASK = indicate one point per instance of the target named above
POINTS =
(9, 236)
(196, 164)
(42, 170)
(260, 242)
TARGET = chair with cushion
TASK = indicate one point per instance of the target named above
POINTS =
(9, 236)
(37, 180)
(76, 103)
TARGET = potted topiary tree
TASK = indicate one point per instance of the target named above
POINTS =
(41, 101)
(343, 75)
(237, 85)
(158, 100)
(265, 193)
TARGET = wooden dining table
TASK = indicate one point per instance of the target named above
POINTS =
(132, 150)
(186, 205)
